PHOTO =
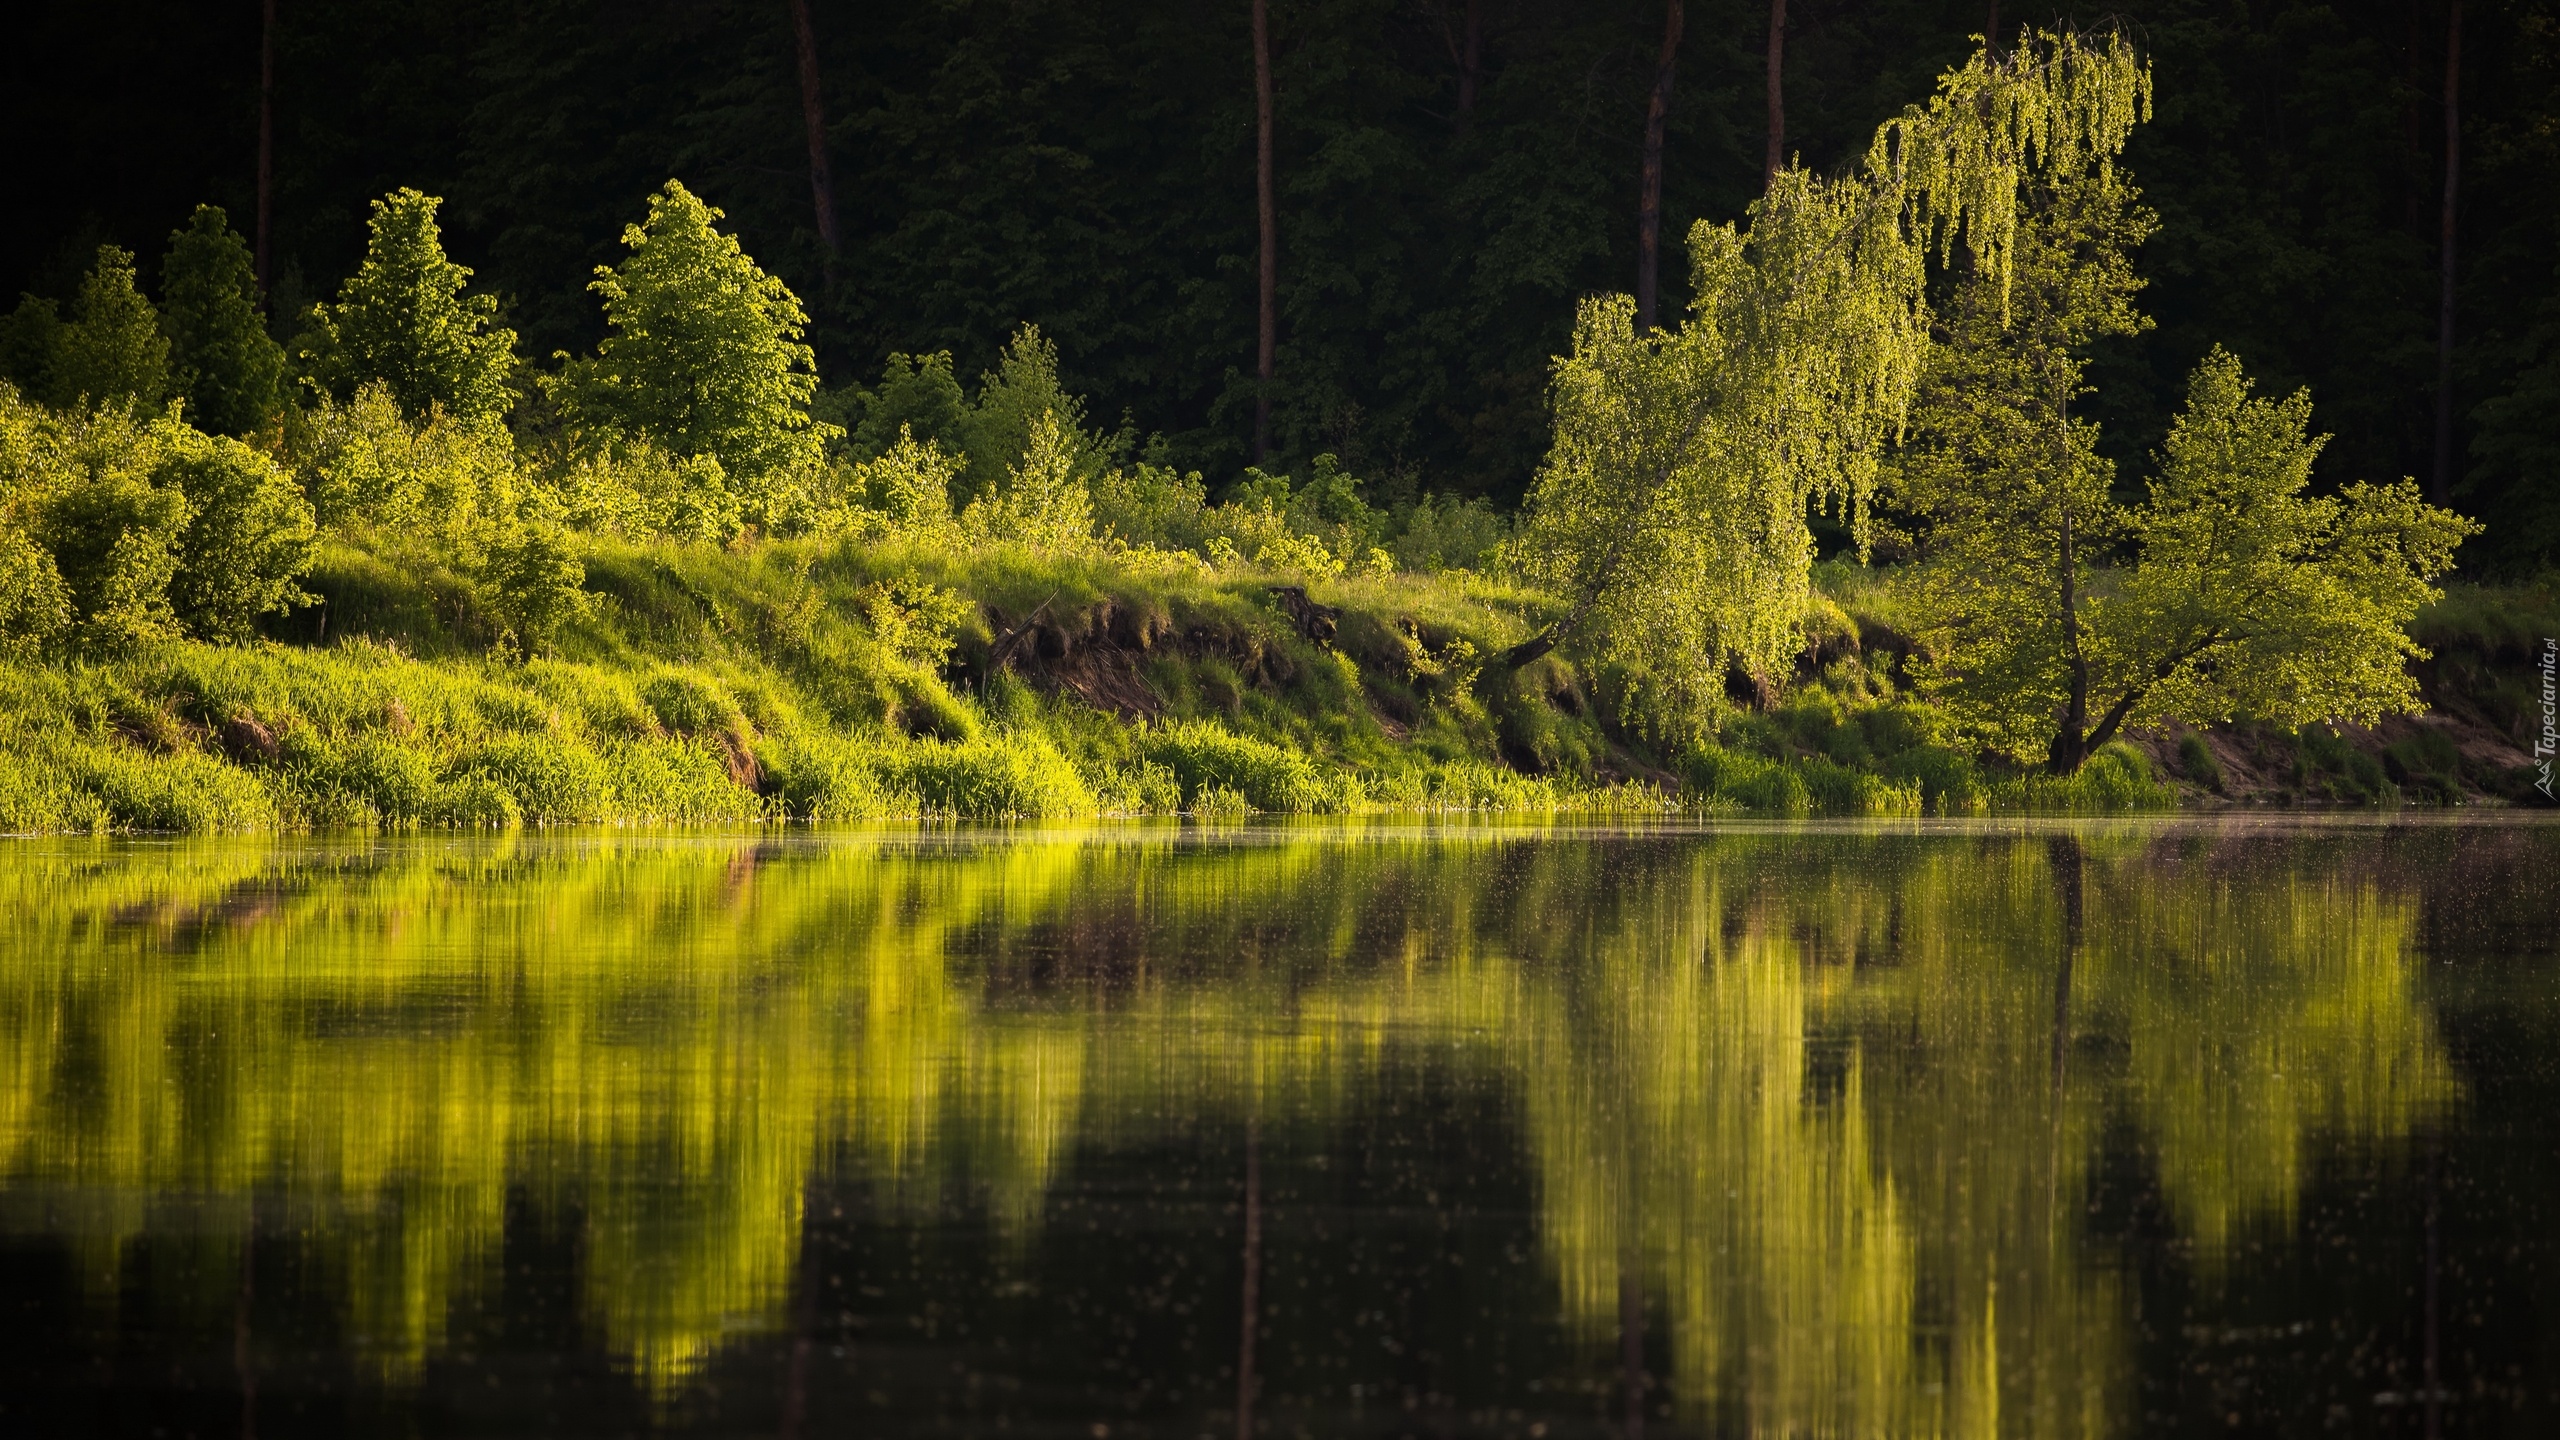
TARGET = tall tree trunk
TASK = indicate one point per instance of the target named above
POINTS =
(1649, 202)
(2442, 486)
(1991, 29)
(813, 117)
(1470, 62)
(1777, 93)
(266, 141)
(1267, 349)
(2070, 743)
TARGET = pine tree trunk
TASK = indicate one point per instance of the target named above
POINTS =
(2442, 486)
(1266, 353)
(1991, 29)
(1472, 61)
(266, 142)
(1649, 202)
(813, 118)
(1777, 94)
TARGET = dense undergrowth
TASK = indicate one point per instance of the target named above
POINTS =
(835, 680)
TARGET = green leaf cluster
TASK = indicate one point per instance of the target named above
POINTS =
(1671, 514)
(117, 530)
(403, 319)
(705, 355)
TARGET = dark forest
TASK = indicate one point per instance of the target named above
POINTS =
(1451, 175)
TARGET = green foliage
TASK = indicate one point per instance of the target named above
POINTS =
(125, 531)
(230, 371)
(249, 534)
(918, 398)
(403, 320)
(1670, 514)
(2197, 763)
(1006, 420)
(705, 354)
(1439, 533)
(533, 582)
(368, 464)
(2004, 483)
(1211, 764)
(111, 352)
(2248, 598)
(1043, 503)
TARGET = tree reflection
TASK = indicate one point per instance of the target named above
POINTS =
(1821, 1109)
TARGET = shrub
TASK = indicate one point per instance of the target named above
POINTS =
(532, 583)
(2427, 767)
(249, 535)
(1017, 776)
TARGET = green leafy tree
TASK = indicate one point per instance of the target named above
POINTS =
(705, 355)
(29, 336)
(916, 398)
(1670, 514)
(112, 350)
(1003, 423)
(2003, 483)
(1043, 502)
(228, 367)
(2248, 597)
(402, 319)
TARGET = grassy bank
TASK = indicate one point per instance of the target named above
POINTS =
(839, 681)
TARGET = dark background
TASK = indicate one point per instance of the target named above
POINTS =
(1088, 166)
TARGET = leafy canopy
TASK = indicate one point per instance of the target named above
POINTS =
(228, 368)
(1671, 512)
(2003, 483)
(2248, 597)
(705, 356)
(112, 351)
(402, 319)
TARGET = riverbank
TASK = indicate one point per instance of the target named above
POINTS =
(835, 681)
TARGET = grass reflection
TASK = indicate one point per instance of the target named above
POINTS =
(1826, 1106)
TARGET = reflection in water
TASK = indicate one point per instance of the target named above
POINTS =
(1812, 1118)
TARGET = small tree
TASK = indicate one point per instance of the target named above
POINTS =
(226, 365)
(2247, 598)
(705, 355)
(111, 351)
(1043, 502)
(402, 319)
(998, 431)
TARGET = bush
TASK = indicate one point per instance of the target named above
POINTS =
(532, 583)
(249, 535)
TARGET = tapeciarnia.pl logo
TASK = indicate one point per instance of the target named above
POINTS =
(2547, 743)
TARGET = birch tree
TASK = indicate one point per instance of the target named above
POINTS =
(1671, 512)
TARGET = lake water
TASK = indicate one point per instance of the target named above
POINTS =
(2161, 1126)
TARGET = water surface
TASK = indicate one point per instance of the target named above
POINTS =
(2166, 1126)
